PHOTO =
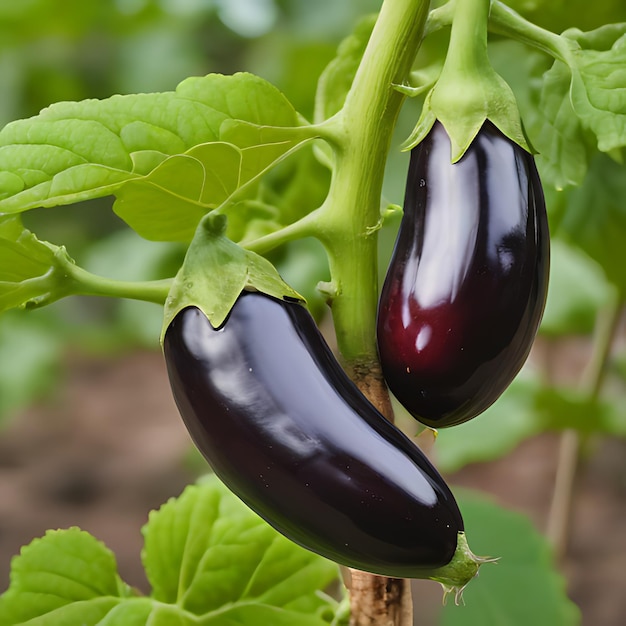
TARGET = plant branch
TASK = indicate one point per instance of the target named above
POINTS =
(378, 601)
(439, 18)
(87, 284)
(560, 509)
(557, 530)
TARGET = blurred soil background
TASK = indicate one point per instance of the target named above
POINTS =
(109, 445)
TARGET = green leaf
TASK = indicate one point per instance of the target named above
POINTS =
(522, 587)
(598, 91)
(250, 219)
(557, 16)
(21, 255)
(594, 217)
(296, 186)
(130, 612)
(62, 579)
(73, 151)
(168, 203)
(31, 271)
(208, 553)
(585, 92)
(556, 131)
(578, 289)
(494, 433)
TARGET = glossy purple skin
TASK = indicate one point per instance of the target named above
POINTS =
(467, 283)
(282, 425)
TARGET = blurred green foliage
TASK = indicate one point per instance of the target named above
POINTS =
(73, 50)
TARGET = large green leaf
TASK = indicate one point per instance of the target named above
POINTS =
(585, 92)
(72, 151)
(598, 91)
(210, 555)
(62, 579)
(168, 203)
(523, 587)
(31, 271)
(556, 131)
(594, 217)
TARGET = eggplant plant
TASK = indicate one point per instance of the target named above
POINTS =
(235, 182)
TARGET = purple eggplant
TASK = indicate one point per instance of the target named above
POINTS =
(284, 427)
(466, 286)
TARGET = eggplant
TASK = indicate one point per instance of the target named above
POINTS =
(284, 427)
(467, 282)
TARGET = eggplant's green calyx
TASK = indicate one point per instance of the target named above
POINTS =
(464, 566)
(215, 271)
(469, 91)
(489, 99)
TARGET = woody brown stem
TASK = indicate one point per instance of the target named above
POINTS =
(377, 600)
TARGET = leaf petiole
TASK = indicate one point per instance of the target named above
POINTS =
(66, 279)
(304, 227)
(505, 21)
(88, 284)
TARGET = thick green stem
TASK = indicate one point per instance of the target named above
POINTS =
(439, 18)
(349, 217)
(347, 224)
